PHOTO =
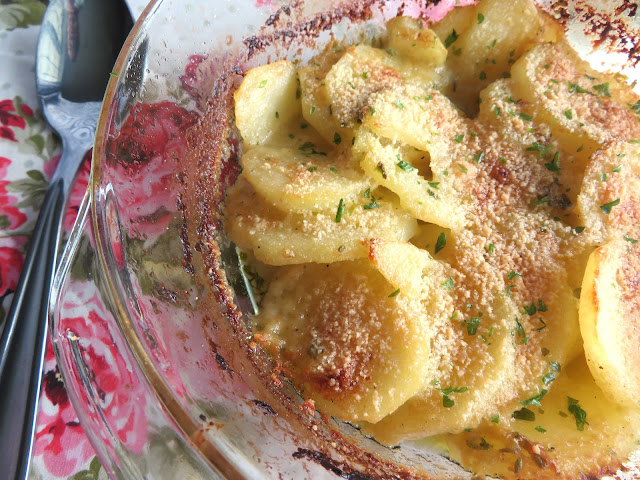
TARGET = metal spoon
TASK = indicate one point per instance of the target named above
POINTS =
(77, 47)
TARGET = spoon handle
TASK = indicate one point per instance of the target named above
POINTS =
(23, 341)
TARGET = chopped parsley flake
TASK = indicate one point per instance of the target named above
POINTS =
(472, 325)
(526, 117)
(568, 114)
(480, 18)
(629, 239)
(448, 284)
(554, 165)
(511, 275)
(337, 139)
(578, 413)
(372, 110)
(398, 104)
(371, 205)
(530, 309)
(340, 211)
(573, 87)
(603, 89)
(521, 333)
(310, 148)
(441, 242)
(452, 37)
(540, 429)
(458, 138)
(548, 378)
(535, 401)
(495, 419)
(407, 167)
(479, 156)
(262, 84)
(540, 202)
(491, 248)
(394, 293)
(524, 414)
(542, 307)
(606, 208)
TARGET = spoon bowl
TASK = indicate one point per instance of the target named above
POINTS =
(77, 47)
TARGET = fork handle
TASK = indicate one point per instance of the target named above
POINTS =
(23, 342)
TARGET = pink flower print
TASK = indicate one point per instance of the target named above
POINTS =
(8, 119)
(11, 260)
(10, 216)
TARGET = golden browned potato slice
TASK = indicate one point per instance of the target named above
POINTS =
(510, 117)
(279, 238)
(427, 200)
(609, 200)
(363, 70)
(582, 107)
(316, 108)
(484, 41)
(411, 40)
(418, 280)
(417, 277)
(610, 320)
(458, 396)
(299, 181)
(422, 118)
(266, 101)
(573, 431)
(349, 343)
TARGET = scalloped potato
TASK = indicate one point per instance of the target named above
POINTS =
(449, 221)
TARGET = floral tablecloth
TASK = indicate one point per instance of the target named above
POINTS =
(29, 152)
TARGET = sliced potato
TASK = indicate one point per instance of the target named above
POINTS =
(348, 343)
(266, 101)
(610, 320)
(430, 237)
(609, 199)
(490, 36)
(458, 397)
(300, 181)
(415, 274)
(424, 119)
(430, 201)
(279, 238)
(315, 105)
(552, 441)
(583, 108)
(361, 71)
(411, 40)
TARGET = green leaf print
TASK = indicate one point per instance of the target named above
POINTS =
(21, 14)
